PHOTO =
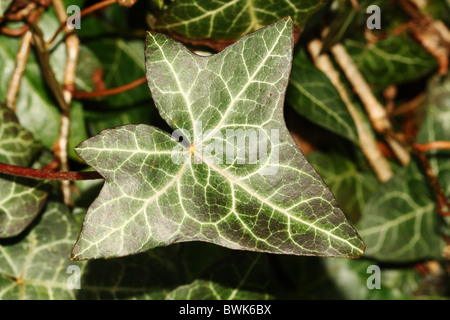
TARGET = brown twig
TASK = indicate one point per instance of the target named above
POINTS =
(17, 32)
(434, 36)
(19, 68)
(109, 92)
(433, 145)
(442, 200)
(366, 141)
(48, 174)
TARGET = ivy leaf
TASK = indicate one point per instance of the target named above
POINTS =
(230, 20)
(312, 95)
(21, 199)
(399, 223)
(159, 191)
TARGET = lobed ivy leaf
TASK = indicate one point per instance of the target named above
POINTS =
(21, 199)
(159, 191)
(312, 95)
(230, 20)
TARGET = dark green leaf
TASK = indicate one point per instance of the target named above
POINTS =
(313, 95)
(231, 19)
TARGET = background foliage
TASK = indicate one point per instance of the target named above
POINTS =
(398, 220)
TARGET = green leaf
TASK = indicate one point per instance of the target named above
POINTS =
(159, 191)
(399, 223)
(35, 267)
(394, 60)
(351, 186)
(20, 199)
(231, 19)
(244, 277)
(312, 95)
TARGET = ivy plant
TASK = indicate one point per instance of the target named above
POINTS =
(201, 149)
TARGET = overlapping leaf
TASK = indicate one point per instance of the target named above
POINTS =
(159, 191)
(199, 19)
(313, 95)
(20, 199)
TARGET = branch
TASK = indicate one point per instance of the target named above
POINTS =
(48, 174)
(377, 114)
(367, 143)
(19, 68)
(443, 201)
(73, 49)
(17, 32)
(433, 145)
(109, 92)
